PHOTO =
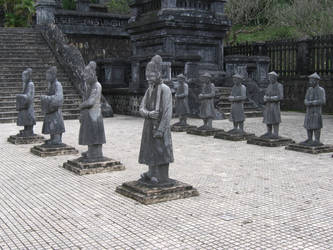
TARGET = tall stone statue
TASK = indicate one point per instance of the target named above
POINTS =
(237, 98)
(51, 106)
(315, 98)
(26, 113)
(156, 145)
(272, 99)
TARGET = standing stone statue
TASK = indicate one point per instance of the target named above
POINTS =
(237, 98)
(26, 113)
(156, 145)
(51, 106)
(207, 108)
(314, 100)
(272, 99)
(25, 105)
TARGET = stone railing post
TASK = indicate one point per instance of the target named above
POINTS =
(217, 7)
(303, 57)
(168, 4)
(45, 12)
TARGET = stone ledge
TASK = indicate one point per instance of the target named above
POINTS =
(203, 132)
(310, 149)
(152, 195)
(80, 167)
(180, 128)
(55, 150)
(15, 139)
(233, 136)
(265, 142)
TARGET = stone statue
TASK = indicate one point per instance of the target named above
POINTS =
(207, 110)
(156, 143)
(237, 98)
(51, 106)
(314, 100)
(182, 107)
(92, 126)
(252, 90)
(25, 105)
(272, 114)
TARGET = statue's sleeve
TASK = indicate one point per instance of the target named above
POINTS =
(166, 113)
(30, 94)
(243, 93)
(92, 99)
(186, 90)
(281, 92)
(212, 93)
(306, 99)
(143, 111)
(323, 97)
(58, 98)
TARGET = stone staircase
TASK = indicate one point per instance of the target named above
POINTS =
(224, 105)
(21, 48)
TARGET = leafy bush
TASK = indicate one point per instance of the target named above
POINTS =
(69, 4)
(119, 6)
(18, 13)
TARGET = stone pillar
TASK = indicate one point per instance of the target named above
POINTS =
(217, 7)
(260, 49)
(135, 83)
(83, 5)
(45, 12)
(168, 4)
(303, 57)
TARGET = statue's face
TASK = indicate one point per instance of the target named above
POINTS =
(237, 80)
(313, 82)
(272, 78)
(50, 76)
(152, 77)
(88, 76)
(204, 80)
(25, 77)
(181, 80)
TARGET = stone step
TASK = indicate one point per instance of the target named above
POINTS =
(228, 104)
(37, 106)
(66, 97)
(37, 93)
(228, 110)
(15, 60)
(12, 103)
(17, 75)
(248, 114)
(41, 118)
(37, 113)
(38, 84)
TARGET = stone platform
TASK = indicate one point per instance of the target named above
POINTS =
(233, 136)
(147, 194)
(310, 149)
(179, 128)
(81, 167)
(53, 150)
(203, 132)
(16, 139)
(267, 142)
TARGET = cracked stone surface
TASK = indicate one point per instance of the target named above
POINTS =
(250, 197)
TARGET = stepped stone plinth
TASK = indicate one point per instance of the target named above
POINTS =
(46, 150)
(181, 128)
(310, 149)
(241, 136)
(203, 132)
(270, 142)
(34, 139)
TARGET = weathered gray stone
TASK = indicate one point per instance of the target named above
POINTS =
(233, 136)
(310, 149)
(53, 150)
(34, 139)
(270, 142)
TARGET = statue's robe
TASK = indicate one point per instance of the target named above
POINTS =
(207, 108)
(25, 106)
(52, 107)
(92, 126)
(182, 107)
(237, 105)
(272, 113)
(313, 117)
(155, 151)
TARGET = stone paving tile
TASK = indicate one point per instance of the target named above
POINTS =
(251, 197)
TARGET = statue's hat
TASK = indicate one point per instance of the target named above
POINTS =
(315, 76)
(207, 75)
(273, 73)
(181, 76)
(238, 76)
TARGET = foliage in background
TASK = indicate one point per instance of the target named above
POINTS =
(119, 6)
(18, 13)
(69, 4)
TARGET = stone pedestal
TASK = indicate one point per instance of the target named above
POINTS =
(16, 139)
(148, 194)
(53, 150)
(203, 132)
(310, 149)
(181, 128)
(81, 167)
(233, 136)
(266, 142)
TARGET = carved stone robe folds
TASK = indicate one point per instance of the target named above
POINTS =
(92, 126)
(272, 113)
(237, 106)
(51, 106)
(182, 107)
(207, 108)
(313, 118)
(154, 151)
(25, 106)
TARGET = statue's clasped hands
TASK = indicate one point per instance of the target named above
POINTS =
(154, 115)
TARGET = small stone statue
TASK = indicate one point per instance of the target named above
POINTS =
(51, 106)
(25, 105)
(272, 114)
(156, 143)
(207, 110)
(182, 108)
(237, 98)
(314, 100)
(92, 126)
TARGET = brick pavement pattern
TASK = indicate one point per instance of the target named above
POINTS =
(251, 197)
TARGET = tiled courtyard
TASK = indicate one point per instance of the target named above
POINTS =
(250, 197)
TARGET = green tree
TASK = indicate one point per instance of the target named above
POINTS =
(18, 13)
(119, 6)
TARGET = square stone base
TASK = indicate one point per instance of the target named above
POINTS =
(179, 128)
(15, 139)
(81, 167)
(270, 142)
(310, 149)
(53, 150)
(203, 132)
(150, 195)
(233, 136)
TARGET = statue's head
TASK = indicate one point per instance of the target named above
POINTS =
(26, 75)
(237, 79)
(205, 78)
(272, 77)
(181, 79)
(89, 73)
(154, 70)
(314, 79)
(51, 74)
